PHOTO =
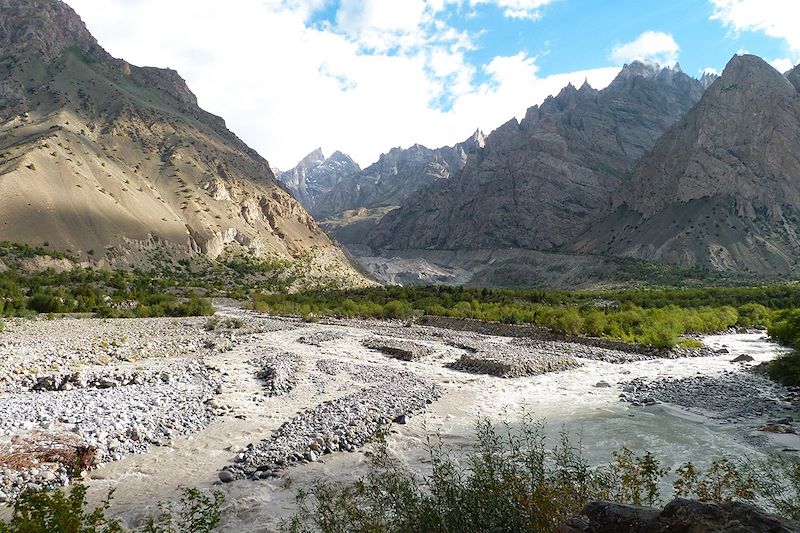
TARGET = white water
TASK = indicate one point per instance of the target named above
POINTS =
(567, 399)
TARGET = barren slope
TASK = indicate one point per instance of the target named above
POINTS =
(107, 159)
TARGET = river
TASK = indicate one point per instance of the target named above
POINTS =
(570, 400)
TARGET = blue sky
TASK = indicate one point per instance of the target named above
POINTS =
(363, 76)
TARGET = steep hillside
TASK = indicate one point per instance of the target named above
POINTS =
(721, 189)
(110, 161)
(537, 183)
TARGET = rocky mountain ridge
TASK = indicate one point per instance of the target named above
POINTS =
(537, 183)
(348, 201)
(396, 175)
(721, 188)
(312, 179)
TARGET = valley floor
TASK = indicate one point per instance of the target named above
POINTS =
(171, 403)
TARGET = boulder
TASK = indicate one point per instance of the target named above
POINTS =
(690, 516)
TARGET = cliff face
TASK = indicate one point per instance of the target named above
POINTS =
(315, 175)
(395, 176)
(105, 159)
(536, 184)
(721, 188)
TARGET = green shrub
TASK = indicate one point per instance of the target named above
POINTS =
(785, 328)
(723, 481)
(510, 481)
(199, 513)
(60, 511)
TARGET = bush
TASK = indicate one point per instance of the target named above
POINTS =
(46, 511)
(60, 511)
(510, 481)
(785, 328)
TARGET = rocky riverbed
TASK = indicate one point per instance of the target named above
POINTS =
(149, 406)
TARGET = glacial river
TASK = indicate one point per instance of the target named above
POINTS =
(567, 399)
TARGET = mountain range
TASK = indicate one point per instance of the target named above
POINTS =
(721, 188)
(700, 174)
(349, 204)
(118, 165)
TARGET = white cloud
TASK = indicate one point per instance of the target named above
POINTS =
(775, 18)
(782, 64)
(517, 9)
(652, 46)
(361, 84)
(710, 70)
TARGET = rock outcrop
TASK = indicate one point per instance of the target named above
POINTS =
(538, 183)
(678, 515)
(315, 175)
(721, 188)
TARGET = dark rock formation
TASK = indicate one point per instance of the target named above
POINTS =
(682, 515)
(537, 183)
(721, 188)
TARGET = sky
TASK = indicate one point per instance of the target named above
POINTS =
(363, 76)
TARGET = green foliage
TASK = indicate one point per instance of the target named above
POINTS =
(570, 313)
(777, 480)
(199, 513)
(722, 481)
(60, 511)
(95, 291)
(229, 323)
(634, 479)
(785, 328)
(45, 511)
(511, 481)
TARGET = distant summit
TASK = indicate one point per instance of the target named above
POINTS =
(315, 176)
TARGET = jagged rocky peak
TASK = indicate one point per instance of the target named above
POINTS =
(314, 158)
(45, 26)
(641, 69)
(707, 79)
(315, 175)
(586, 88)
(794, 77)
(719, 189)
(650, 70)
(748, 72)
(477, 139)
